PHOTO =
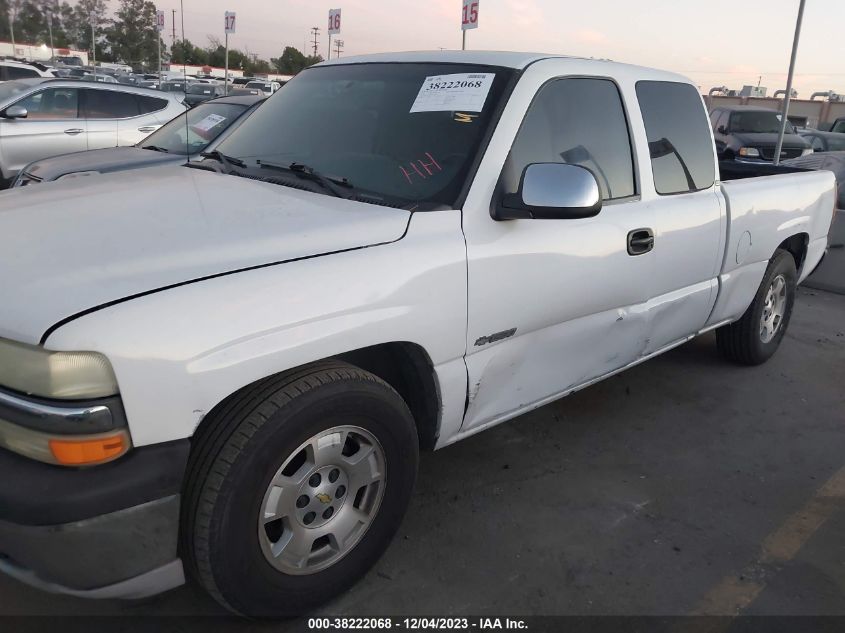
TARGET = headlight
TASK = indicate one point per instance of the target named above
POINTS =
(58, 375)
(749, 152)
(807, 151)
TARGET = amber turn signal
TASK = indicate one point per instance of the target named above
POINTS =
(89, 452)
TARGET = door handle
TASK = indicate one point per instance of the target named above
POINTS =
(147, 129)
(74, 131)
(640, 241)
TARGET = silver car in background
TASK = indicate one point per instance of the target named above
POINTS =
(40, 118)
(185, 139)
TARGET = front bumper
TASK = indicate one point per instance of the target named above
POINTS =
(127, 554)
(105, 532)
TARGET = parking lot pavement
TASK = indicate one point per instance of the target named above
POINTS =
(686, 485)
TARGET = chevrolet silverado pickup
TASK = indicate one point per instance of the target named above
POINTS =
(230, 377)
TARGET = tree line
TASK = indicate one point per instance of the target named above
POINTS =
(127, 36)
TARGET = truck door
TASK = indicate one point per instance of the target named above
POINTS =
(554, 304)
(687, 216)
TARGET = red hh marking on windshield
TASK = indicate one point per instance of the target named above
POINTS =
(422, 169)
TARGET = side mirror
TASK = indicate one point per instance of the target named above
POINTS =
(552, 191)
(722, 129)
(16, 112)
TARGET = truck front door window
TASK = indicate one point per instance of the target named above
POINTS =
(579, 122)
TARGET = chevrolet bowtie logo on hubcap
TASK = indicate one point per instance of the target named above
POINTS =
(324, 498)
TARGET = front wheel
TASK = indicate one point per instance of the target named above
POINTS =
(296, 488)
(756, 336)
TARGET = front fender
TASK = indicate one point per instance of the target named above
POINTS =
(180, 352)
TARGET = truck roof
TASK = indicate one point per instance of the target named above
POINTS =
(505, 59)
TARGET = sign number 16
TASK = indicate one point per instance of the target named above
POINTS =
(334, 22)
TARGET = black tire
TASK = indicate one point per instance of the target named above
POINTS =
(235, 455)
(741, 342)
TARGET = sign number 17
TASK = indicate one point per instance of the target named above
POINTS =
(230, 22)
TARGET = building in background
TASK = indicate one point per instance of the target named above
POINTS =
(753, 91)
(39, 52)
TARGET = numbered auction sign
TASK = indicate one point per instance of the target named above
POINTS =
(231, 22)
(469, 17)
(160, 21)
(334, 22)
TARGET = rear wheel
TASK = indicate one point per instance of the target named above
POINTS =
(296, 488)
(756, 336)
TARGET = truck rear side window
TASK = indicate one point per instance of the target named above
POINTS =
(579, 122)
(678, 137)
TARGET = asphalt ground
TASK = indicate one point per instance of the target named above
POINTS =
(684, 486)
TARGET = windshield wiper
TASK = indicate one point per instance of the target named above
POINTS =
(227, 161)
(330, 184)
(156, 148)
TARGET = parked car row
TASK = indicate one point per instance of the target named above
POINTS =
(196, 88)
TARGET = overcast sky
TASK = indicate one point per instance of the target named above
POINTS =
(717, 42)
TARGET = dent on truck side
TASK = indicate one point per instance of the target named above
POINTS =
(180, 352)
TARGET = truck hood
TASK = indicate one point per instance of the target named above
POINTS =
(70, 247)
(101, 160)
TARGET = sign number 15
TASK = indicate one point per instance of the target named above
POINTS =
(470, 15)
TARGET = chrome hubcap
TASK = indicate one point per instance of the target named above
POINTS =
(322, 500)
(773, 309)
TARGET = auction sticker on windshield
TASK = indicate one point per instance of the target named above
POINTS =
(211, 121)
(445, 93)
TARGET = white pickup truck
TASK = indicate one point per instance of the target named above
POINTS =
(228, 369)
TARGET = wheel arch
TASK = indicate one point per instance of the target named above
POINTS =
(405, 366)
(797, 246)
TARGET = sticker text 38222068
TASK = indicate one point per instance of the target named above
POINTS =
(460, 91)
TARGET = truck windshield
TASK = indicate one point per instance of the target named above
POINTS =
(760, 122)
(406, 133)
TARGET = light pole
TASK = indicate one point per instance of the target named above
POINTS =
(93, 47)
(788, 94)
(158, 37)
(50, 30)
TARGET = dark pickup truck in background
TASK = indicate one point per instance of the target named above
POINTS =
(751, 133)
